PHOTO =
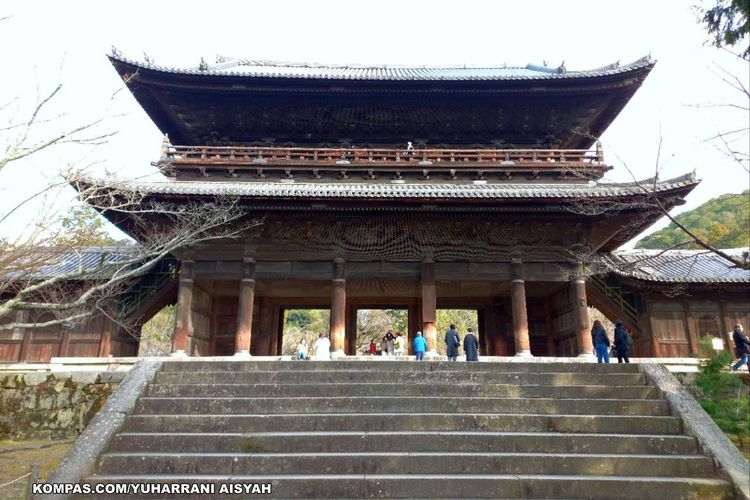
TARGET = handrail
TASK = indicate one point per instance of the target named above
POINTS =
(252, 154)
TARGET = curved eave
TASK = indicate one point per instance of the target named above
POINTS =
(383, 74)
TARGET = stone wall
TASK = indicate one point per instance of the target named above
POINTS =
(49, 405)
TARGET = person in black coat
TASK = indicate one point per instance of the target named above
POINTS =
(471, 346)
(621, 342)
(601, 342)
(741, 347)
(452, 341)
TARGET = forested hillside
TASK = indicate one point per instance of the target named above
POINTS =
(723, 222)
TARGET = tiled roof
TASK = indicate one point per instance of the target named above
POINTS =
(680, 266)
(82, 262)
(362, 190)
(271, 69)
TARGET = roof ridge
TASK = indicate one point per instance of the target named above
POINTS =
(234, 67)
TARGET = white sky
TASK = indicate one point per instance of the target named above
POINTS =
(47, 42)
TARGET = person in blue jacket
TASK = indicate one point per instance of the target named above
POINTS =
(420, 346)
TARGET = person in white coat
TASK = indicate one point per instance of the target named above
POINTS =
(322, 348)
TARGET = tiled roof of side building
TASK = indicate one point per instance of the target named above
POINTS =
(81, 263)
(273, 69)
(363, 190)
(681, 266)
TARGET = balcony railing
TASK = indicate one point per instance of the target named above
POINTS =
(239, 155)
(265, 163)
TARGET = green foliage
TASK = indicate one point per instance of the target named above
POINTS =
(462, 318)
(156, 333)
(728, 23)
(723, 222)
(722, 394)
(305, 324)
(372, 324)
(83, 227)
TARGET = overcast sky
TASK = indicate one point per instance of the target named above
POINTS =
(682, 103)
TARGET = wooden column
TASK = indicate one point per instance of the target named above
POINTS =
(350, 334)
(692, 336)
(338, 308)
(65, 342)
(550, 326)
(726, 325)
(24, 333)
(581, 311)
(429, 307)
(183, 328)
(106, 338)
(242, 338)
(518, 304)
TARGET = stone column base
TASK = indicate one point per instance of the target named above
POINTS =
(338, 354)
(433, 354)
(242, 354)
(524, 354)
(179, 354)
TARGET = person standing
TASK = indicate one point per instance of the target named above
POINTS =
(390, 339)
(601, 342)
(420, 346)
(471, 346)
(322, 348)
(622, 342)
(373, 347)
(399, 345)
(741, 348)
(302, 350)
(452, 341)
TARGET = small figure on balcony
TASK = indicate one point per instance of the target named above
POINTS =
(409, 149)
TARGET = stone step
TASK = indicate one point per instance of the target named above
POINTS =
(405, 463)
(400, 404)
(396, 389)
(436, 377)
(339, 421)
(445, 486)
(388, 366)
(395, 441)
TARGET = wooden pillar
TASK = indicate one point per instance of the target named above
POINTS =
(726, 324)
(690, 326)
(24, 334)
(338, 308)
(414, 325)
(183, 328)
(106, 338)
(518, 305)
(581, 311)
(65, 342)
(550, 326)
(429, 307)
(350, 334)
(265, 322)
(242, 338)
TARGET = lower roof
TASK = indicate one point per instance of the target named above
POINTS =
(400, 191)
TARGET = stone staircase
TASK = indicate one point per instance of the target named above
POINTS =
(377, 429)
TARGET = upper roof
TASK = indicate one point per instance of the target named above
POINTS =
(277, 69)
(681, 266)
(247, 102)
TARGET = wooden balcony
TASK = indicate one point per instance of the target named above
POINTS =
(369, 163)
